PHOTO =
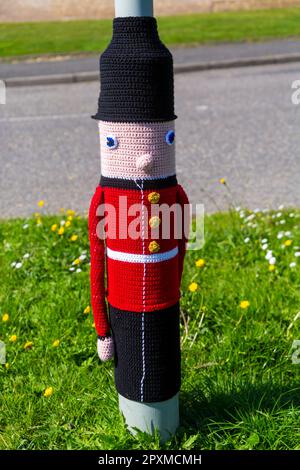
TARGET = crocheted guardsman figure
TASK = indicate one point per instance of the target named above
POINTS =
(136, 124)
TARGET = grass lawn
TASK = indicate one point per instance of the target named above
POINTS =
(93, 36)
(240, 388)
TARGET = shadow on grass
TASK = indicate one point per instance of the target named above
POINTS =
(197, 411)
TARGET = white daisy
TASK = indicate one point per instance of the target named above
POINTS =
(269, 255)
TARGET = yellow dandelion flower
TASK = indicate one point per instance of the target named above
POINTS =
(70, 212)
(67, 224)
(38, 221)
(193, 287)
(7, 365)
(48, 392)
(41, 203)
(200, 263)
(54, 227)
(61, 230)
(87, 309)
(56, 343)
(288, 242)
(73, 238)
(28, 345)
(272, 267)
(5, 317)
(76, 261)
(222, 180)
(13, 338)
(70, 218)
(37, 214)
(244, 304)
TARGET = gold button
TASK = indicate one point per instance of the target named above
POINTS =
(153, 198)
(154, 247)
(154, 222)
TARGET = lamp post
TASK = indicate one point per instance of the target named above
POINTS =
(133, 8)
(137, 130)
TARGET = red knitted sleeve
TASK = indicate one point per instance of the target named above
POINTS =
(98, 267)
(182, 199)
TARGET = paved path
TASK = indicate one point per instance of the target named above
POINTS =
(201, 54)
(239, 124)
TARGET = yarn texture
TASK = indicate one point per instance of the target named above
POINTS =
(137, 143)
(135, 280)
(136, 74)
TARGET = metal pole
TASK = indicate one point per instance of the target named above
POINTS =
(133, 8)
(160, 416)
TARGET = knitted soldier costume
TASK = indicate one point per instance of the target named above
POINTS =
(136, 124)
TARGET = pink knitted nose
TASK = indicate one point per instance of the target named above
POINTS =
(144, 162)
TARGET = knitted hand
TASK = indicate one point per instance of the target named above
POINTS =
(105, 347)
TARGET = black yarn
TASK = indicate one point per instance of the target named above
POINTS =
(136, 74)
(158, 183)
(162, 353)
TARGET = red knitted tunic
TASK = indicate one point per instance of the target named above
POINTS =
(153, 281)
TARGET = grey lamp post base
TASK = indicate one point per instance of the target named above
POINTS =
(162, 416)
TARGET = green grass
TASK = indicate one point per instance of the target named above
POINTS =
(240, 388)
(93, 36)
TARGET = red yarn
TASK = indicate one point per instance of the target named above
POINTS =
(183, 200)
(126, 285)
(97, 268)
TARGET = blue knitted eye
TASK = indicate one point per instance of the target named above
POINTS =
(111, 142)
(170, 137)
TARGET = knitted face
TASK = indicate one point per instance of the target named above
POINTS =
(137, 150)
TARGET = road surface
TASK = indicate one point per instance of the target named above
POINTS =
(237, 124)
(41, 66)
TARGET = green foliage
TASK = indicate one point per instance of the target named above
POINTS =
(240, 387)
(93, 35)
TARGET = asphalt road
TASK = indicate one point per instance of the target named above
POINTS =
(239, 124)
(182, 55)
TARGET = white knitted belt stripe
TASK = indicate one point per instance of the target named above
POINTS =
(136, 258)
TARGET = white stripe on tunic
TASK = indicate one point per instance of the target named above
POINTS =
(136, 258)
